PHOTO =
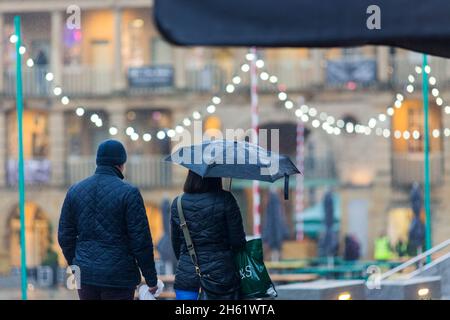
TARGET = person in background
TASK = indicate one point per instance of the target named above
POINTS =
(401, 248)
(215, 224)
(351, 248)
(103, 230)
(383, 251)
(41, 63)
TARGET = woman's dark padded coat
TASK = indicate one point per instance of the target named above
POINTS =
(215, 224)
(104, 231)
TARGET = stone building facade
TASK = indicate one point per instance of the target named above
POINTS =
(99, 68)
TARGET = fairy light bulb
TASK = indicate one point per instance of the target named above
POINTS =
(196, 115)
(211, 108)
(113, 131)
(245, 67)
(187, 122)
(282, 96)
(230, 88)
(288, 104)
(259, 63)
(264, 76)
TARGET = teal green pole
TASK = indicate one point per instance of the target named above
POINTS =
(426, 153)
(19, 103)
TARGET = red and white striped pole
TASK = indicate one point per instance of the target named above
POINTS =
(255, 124)
(299, 185)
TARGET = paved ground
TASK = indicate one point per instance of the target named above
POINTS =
(39, 294)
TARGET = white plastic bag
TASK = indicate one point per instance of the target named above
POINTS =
(144, 294)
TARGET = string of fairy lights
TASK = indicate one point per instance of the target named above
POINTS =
(49, 76)
(308, 114)
(337, 126)
(398, 104)
(130, 131)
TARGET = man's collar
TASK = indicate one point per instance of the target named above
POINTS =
(110, 170)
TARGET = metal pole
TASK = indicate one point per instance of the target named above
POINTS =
(255, 124)
(19, 103)
(428, 241)
(299, 184)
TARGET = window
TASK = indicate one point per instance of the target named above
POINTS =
(415, 123)
(83, 135)
(161, 52)
(35, 135)
(408, 129)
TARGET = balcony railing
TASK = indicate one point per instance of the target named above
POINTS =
(142, 171)
(34, 83)
(87, 80)
(149, 171)
(296, 74)
(37, 171)
(408, 168)
(209, 78)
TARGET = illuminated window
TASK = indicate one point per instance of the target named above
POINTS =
(408, 121)
(35, 134)
(415, 124)
(155, 221)
(212, 127)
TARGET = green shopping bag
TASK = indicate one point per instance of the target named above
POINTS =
(255, 280)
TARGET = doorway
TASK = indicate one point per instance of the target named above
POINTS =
(37, 235)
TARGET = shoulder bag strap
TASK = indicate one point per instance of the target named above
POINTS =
(187, 235)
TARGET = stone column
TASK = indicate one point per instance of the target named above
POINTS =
(3, 149)
(119, 79)
(117, 118)
(2, 27)
(446, 149)
(56, 55)
(179, 65)
(317, 66)
(57, 143)
(383, 64)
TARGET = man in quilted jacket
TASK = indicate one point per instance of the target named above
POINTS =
(104, 232)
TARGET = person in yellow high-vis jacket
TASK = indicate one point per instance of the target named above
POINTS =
(382, 249)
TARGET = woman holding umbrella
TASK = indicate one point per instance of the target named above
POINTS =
(206, 220)
(215, 226)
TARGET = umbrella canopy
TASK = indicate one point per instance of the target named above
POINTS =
(416, 232)
(234, 159)
(164, 246)
(275, 230)
(412, 24)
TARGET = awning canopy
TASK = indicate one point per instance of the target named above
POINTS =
(411, 24)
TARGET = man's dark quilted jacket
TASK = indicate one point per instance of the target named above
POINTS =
(103, 229)
(215, 224)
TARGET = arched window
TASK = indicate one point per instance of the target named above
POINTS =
(287, 136)
(37, 235)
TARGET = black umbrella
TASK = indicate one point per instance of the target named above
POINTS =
(164, 246)
(416, 232)
(235, 159)
(275, 230)
(412, 24)
(328, 243)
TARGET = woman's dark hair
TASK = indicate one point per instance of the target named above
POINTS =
(196, 184)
